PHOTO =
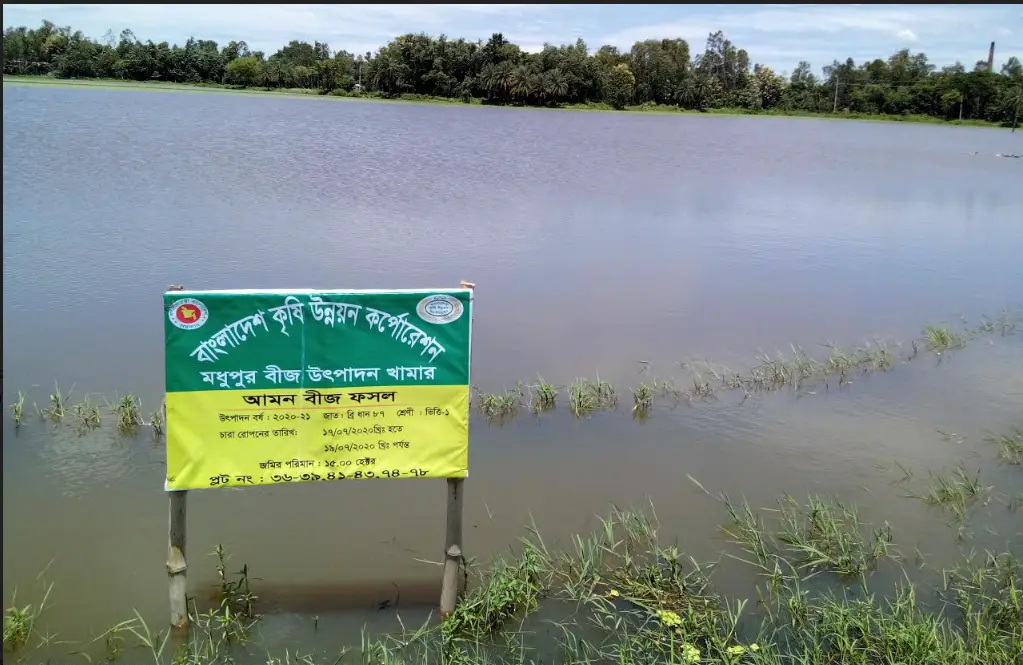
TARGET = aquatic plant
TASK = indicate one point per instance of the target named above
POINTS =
(642, 398)
(498, 407)
(954, 491)
(128, 411)
(156, 421)
(18, 410)
(1011, 445)
(20, 622)
(87, 415)
(940, 338)
(544, 396)
(57, 405)
(586, 395)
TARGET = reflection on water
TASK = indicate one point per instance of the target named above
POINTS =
(596, 241)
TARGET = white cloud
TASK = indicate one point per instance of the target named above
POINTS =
(906, 34)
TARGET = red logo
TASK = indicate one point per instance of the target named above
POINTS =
(188, 313)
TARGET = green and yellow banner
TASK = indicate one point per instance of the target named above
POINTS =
(287, 386)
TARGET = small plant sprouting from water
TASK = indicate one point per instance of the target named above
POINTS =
(57, 405)
(955, 491)
(87, 415)
(940, 339)
(544, 396)
(588, 395)
(643, 399)
(156, 421)
(128, 411)
(20, 622)
(18, 410)
(1011, 446)
(498, 407)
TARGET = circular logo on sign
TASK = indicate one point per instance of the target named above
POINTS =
(188, 314)
(439, 309)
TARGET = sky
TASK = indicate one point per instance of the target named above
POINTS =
(776, 35)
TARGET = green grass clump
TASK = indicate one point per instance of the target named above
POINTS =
(87, 415)
(955, 491)
(498, 407)
(128, 411)
(18, 410)
(544, 396)
(642, 398)
(1011, 446)
(20, 622)
(940, 339)
(587, 395)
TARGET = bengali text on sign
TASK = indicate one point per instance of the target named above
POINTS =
(269, 387)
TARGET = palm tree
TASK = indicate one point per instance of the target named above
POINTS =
(523, 82)
(554, 84)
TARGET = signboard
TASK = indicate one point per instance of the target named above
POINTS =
(289, 386)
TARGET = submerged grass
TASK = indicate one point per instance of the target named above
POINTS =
(955, 491)
(621, 596)
(795, 369)
(1011, 445)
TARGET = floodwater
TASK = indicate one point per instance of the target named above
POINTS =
(596, 241)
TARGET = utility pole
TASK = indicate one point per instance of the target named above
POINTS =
(834, 109)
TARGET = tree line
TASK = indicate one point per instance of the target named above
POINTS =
(654, 71)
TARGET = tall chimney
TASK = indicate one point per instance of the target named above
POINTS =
(991, 58)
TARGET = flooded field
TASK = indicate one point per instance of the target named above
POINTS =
(649, 251)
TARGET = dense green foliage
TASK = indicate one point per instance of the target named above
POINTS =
(662, 72)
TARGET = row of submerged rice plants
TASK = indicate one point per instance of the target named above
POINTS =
(795, 369)
(623, 595)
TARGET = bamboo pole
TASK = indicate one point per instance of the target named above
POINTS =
(453, 535)
(452, 547)
(176, 564)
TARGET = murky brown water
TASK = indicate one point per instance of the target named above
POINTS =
(596, 241)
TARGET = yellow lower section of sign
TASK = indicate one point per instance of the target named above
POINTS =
(237, 438)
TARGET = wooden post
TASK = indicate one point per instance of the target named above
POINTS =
(453, 536)
(452, 547)
(176, 565)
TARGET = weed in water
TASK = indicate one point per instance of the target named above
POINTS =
(955, 491)
(1011, 446)
(940, 339)
(156, 422)
(129, 414)
(18, 410)
(20, 622)
(827, 535)
(57, 408)
(495, 407)
(642, 398)
(544, 396)
(587, 395)
(87, 415)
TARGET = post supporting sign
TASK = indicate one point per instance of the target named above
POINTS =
(291, 386)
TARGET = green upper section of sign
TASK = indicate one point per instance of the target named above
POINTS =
(253, 340)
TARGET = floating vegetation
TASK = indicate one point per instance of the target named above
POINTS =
(18, 410)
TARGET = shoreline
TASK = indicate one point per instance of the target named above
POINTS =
(646, 109)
